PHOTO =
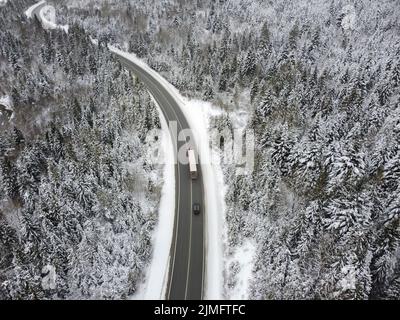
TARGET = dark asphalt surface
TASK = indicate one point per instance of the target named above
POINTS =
(187, 250)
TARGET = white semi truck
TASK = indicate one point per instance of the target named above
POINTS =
(192, 164)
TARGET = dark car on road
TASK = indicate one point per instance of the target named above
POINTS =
(196, 208)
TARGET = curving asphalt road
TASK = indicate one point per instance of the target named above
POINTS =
(36, 11)
(187, 264)
(187, 251)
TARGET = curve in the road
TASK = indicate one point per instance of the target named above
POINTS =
(187, 251)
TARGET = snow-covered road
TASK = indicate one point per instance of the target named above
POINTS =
(46, 14)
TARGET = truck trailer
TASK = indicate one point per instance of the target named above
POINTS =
(192, 164)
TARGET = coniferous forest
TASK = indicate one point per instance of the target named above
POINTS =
(317, 81)
(76, 192)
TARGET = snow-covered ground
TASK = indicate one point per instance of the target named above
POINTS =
(240, 263)
(49, 280)
(6, 109)
(198, 115)
(3, 2)
(6, 101)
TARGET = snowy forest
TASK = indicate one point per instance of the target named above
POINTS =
(318, 82)
(78, 199)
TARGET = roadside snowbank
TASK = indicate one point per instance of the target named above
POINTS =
(30, 10)
(198, 114)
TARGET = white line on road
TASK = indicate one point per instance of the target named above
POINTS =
(190, 237)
